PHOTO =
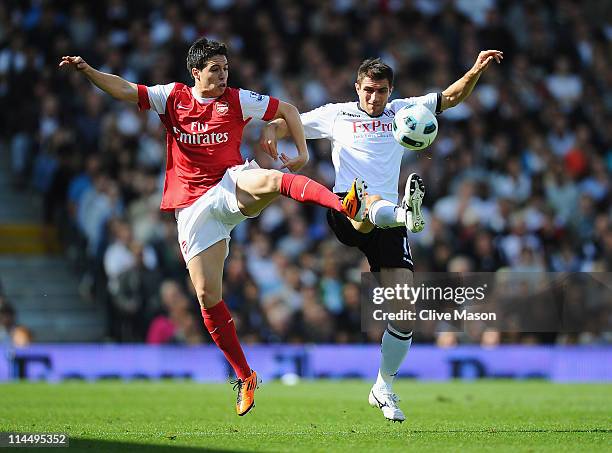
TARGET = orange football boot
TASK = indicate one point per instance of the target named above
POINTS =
(246, 393)
(353, 203)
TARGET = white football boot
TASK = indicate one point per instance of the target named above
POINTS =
(412, 201)
(386, 401)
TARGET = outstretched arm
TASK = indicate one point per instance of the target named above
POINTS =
(114, 85)
(462, 88)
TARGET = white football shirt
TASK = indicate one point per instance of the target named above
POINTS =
(363, 145)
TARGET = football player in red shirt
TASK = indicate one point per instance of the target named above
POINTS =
(208, 185)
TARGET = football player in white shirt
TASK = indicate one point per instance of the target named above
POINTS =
(363, 145)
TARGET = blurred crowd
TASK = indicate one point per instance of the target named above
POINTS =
(12, 333)
(518, 178)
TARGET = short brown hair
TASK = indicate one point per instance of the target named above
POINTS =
(203, 50)
(375, 69)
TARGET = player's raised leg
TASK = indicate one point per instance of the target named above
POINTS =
(257, 188)
(395, 344)
(206, 272)
(385, 214)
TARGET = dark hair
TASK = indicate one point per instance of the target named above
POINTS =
(375, 69)
(201, 51)
(6, 309)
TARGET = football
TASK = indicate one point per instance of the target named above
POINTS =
(415, 127)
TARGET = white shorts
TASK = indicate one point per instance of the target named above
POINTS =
(211, 217)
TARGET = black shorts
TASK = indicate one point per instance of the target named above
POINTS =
(386, 247)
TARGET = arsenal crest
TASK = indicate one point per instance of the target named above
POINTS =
(222, 107)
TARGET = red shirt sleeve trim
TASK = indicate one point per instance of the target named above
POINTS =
(271, 110)
(143, 98)
(233, 96)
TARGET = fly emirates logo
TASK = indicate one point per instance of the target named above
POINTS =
(199, 135)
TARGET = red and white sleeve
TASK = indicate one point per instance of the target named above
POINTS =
(258, 106)
(154, 97)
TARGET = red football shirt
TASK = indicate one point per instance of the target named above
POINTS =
(203, 135)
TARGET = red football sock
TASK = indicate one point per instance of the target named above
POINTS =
(220, 325)
(306, 190)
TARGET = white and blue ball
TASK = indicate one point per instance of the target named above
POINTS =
(415, 127)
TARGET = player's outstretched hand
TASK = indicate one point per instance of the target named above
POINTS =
(294, 164)
(76, 62)
(486, 57)
(268, 141)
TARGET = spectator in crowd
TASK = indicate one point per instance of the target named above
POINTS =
(7, 321)
(175, 325)
(22, 336)
(10, 331)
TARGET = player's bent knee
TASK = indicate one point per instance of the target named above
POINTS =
(363, 227)
(201, 295)
(206, 298)
(272, 181)
(260, 182)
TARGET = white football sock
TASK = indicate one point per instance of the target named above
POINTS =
(385, 214)
(393, 350)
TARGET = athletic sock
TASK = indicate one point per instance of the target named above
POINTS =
(220, 325)
(306, 190)
(394, 348)
(385, 214)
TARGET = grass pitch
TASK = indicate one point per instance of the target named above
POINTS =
(321, 416)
